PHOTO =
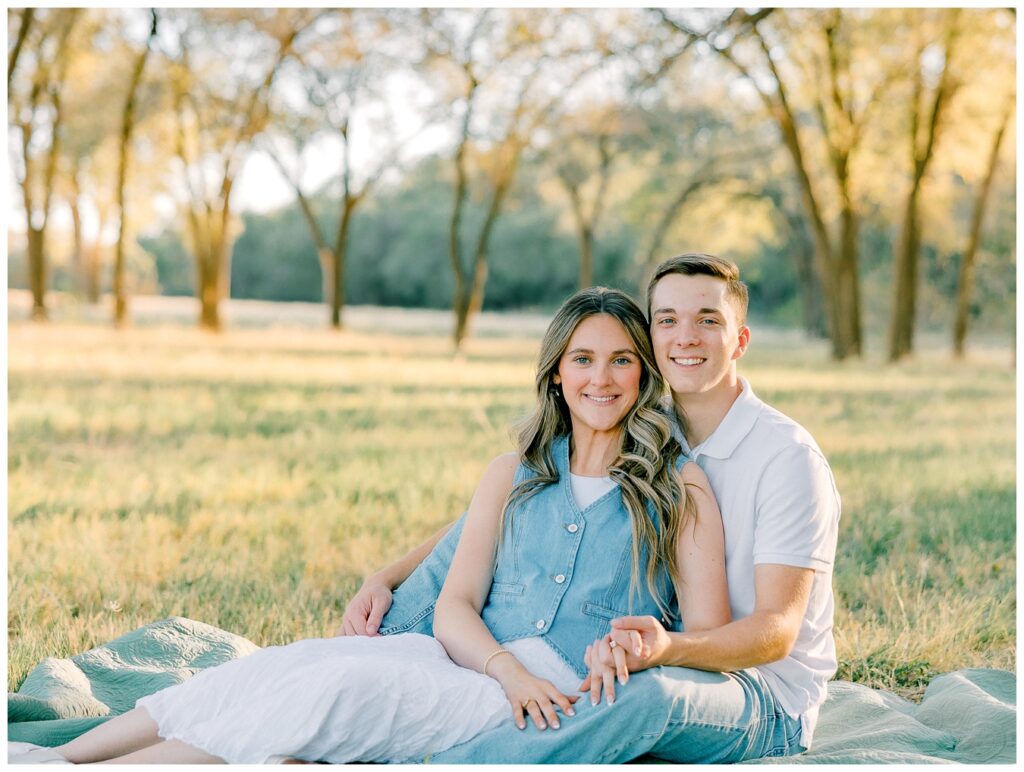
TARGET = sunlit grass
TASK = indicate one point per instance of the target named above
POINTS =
(251, 479)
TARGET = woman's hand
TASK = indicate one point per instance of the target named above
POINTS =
(607, 660)
(528, 694)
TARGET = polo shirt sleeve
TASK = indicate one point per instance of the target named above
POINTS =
(797, 511)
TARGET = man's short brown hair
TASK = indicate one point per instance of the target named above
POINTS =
(700, 264)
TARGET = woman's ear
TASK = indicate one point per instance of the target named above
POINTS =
(556, 379)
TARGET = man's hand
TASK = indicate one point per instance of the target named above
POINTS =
(640, 643)
(366, 609)
(644, 639)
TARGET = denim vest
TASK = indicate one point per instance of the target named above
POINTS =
(561, 573)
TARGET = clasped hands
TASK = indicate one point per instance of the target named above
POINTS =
(633, 644)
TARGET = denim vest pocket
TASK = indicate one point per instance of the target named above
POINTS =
(507, 588)
(596, 610)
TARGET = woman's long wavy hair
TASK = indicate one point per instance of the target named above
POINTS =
(645, 466)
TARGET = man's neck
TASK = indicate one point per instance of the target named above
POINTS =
(705, 411)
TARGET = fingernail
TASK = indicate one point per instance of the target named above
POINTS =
(593, 701)
(554, 725)
(622, 679)
(570, 712)
(611, 700)
(637, 652)
(521, 726)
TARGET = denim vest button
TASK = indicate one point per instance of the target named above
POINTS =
(572, 528)
(560, 578)
(540, 624)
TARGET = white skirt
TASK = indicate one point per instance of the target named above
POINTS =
(394, 698)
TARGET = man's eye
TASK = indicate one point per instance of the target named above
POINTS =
(666, 320)
(709, 321)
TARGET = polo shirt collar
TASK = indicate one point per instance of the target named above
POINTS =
(734, 427)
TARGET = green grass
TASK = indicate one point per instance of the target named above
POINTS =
(250, 480)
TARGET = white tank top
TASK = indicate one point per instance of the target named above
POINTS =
(587, 490)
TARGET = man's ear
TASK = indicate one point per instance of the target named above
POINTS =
(743, 340)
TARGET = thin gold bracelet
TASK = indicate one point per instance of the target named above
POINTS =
(492, 656)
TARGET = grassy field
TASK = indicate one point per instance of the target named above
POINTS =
(251, 479)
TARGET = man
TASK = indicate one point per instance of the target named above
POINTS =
(751, 688)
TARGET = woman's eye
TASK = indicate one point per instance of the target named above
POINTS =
(581, 360)
(623, 361)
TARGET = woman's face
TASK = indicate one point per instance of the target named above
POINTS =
(599, 374)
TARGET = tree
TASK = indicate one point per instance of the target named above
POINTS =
(127, 126)
(509, 70)
(841, 98)
(965, 278)
(37, 112)
(345, 71)
(583, 163)
(927, 113)
(220, 106)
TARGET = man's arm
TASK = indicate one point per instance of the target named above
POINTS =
(766, 635)
(367, 607)
(797, 516)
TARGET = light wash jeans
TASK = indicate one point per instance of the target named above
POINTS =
(672, 713)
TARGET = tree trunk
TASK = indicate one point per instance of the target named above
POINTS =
(460, 293)
(473, 299)
(27, 15)
(92, 272)
(208, 276)
(824, 260)
(901, 328)
(848, 340)
(78, 259)
(586, 257)
(127, 125)
(901, 332)
(37, 273)
(965, 280)
(340, 248)
(326, 256)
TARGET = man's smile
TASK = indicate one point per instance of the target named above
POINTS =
(689, 361)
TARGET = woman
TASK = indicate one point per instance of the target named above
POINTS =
(555, 543)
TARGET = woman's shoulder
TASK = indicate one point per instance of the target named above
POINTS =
(504, 464)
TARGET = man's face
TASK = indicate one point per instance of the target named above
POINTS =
(697, 337)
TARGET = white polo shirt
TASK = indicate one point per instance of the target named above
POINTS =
(779, 505)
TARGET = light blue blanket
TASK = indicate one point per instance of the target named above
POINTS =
(967, 716)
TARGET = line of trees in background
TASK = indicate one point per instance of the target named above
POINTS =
(853, 162)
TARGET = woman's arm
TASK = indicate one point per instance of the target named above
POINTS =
(457, 622)
(704, 592)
